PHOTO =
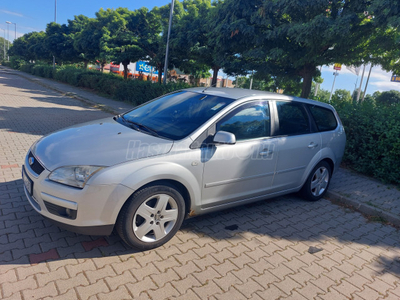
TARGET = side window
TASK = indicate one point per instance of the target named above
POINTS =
(293, 118)
(324, 118)
(248, 122)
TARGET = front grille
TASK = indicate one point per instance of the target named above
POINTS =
(60, 211)
(36, 166)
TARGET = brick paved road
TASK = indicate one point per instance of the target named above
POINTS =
(265, 257)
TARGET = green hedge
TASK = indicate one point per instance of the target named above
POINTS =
(132, 91)
(373, 138)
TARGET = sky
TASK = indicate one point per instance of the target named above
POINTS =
(34, 15)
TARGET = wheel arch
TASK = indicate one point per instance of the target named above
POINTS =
(182, 189)
(174, 183)
(324, 155)
(330, 163)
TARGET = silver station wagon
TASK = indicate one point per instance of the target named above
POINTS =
(184, 154)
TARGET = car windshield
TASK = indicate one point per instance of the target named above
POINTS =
(176, 115)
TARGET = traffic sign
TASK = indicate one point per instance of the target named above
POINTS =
(395, 78)
(337, 67)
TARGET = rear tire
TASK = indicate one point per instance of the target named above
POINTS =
(151, 217)
(317, 182)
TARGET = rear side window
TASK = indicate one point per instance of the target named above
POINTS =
(293, 118)
(324, 118)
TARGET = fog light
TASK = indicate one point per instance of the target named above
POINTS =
(60, 210)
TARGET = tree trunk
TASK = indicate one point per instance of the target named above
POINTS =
(102, 66)
(125, 64)
(215, 76)
(160, 70)
(307, 73)
(85, 64)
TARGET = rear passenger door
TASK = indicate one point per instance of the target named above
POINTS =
(298, 142)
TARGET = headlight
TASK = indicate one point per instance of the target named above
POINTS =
(76, 176)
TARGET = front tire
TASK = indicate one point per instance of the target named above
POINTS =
(151, 217)
(317, 182)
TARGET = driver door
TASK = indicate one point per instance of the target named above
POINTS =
(245, 169)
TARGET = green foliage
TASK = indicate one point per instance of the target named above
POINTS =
(15, 62)
(3, 48)
(70, 75)
(341, 95)
(27, 68)
(193, 46)
(291, 38)
(258, 84)
(31, 46)
(373, 138)
(388, 98)
(263, 82)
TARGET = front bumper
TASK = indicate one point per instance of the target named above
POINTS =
(92, 210)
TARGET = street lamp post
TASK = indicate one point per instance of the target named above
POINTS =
(333, 85)
(167, 50)
(359, 89)
(55, 21)
(15, 24)
(8, 41)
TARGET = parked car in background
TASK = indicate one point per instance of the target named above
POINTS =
(184, 154)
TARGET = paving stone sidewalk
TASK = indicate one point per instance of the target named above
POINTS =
(284, 248)
(112, 106)
(367, 195)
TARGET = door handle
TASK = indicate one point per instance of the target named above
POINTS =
(312, 145)
(266, 153)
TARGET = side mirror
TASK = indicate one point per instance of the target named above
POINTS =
(224, 137)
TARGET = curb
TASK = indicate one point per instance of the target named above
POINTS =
(93, 104)
(364, 208)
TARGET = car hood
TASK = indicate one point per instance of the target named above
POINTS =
(102, 142)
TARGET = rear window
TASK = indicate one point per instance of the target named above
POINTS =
(324, 118)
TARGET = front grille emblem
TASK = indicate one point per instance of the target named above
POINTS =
(31, 160)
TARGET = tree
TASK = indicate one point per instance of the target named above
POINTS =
(265, 82)
(60, 43)
(147, 28)
(149, 33)
(22, 48)
(89, 41)
(118, 42)
(341, 95)
(354, 95)
(193, 45)
(3, 52)
(323, 95)
(157, 58)
(388, 98)
(243, 82)
(291, 38)
(31, 47)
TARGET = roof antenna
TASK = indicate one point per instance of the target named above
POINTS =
(215, 84)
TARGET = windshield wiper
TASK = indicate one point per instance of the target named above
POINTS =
(138, 126)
